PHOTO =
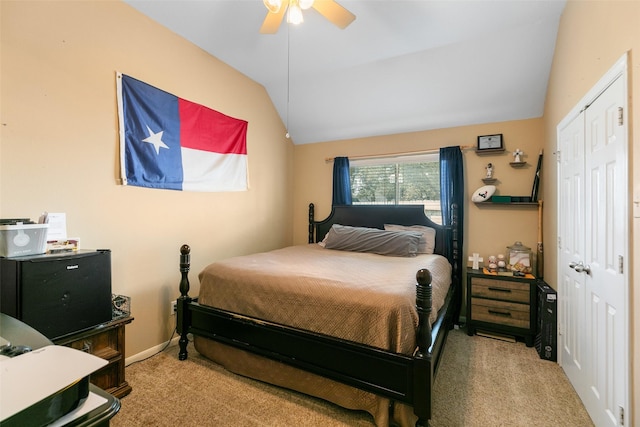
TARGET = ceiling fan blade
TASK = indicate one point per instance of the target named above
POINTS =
(272, 21)
(335, 13)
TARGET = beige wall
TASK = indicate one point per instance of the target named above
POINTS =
(59, 149)
(593, 35)
(489, 229)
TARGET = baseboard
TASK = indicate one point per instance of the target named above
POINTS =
(150, 351)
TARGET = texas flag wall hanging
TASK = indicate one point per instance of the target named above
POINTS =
(171, 143)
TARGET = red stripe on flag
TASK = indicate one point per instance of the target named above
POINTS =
(202, 128)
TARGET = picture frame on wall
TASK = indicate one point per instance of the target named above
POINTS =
(489, 143)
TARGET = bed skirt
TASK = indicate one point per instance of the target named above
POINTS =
(273, 372)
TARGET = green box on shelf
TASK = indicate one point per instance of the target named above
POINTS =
(501, 199)
(521, 199)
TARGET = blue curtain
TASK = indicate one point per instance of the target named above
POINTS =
(341, 182)
(452, 195)
(451, 183)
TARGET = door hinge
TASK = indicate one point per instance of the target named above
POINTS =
(620, 264)
(620, 116)
(621, 408)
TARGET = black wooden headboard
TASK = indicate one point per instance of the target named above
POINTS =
(376, 216)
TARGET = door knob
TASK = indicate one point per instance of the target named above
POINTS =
(580, 268)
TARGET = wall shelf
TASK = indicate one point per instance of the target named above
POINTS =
(490, 203)
(489, 151)
(517, 164)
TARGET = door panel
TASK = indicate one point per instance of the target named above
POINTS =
(593, 231)
(572, 293)
(606, 190)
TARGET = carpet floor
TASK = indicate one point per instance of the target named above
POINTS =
(481, 382)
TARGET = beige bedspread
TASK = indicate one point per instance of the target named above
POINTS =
(361, 297)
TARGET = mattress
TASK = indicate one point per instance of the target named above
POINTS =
(360, 297)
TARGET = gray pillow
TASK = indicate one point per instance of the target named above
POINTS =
(373, 240)
(427, 241)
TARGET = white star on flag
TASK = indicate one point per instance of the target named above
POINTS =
(155, 139)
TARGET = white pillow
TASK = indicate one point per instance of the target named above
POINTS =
(427, 243)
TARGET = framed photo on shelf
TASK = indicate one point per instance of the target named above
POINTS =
(490, 143)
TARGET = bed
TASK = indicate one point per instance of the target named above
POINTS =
(375, 347)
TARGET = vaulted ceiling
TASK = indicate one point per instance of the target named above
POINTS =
(401, 66)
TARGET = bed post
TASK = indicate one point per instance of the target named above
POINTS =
(311, 222)
(423, 303)
(423, 369)
(183, 316)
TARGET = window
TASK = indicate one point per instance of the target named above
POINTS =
(404, 180)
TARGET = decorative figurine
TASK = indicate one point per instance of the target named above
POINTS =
(489, 171)
(516, 156)
(493, 266)
(476, 259)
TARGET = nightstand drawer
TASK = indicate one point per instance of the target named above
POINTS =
(500, 290)
(500, 312)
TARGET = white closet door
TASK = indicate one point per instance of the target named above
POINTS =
(606, 191)
(593, 255)
(572, 292)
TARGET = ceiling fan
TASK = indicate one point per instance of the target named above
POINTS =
(331, 10)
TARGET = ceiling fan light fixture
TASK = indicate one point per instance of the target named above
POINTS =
(294, 15)
(273, 6)
(305, 4)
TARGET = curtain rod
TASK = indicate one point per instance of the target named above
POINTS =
(407, 153)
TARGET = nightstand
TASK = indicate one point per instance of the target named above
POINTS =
(504, 304)
(107, 342)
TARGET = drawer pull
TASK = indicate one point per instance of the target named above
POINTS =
(500, 290)
(87, 347)
(500, 313)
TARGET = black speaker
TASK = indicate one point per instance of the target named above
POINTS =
(57, 294)
(547, 319)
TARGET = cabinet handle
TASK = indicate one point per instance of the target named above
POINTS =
(87, 346)
(500, 290)
(500, 313)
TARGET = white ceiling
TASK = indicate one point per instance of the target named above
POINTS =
(401, 66)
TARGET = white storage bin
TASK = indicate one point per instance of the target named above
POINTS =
(23, 239)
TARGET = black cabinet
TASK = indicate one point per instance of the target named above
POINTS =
(57, 294)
